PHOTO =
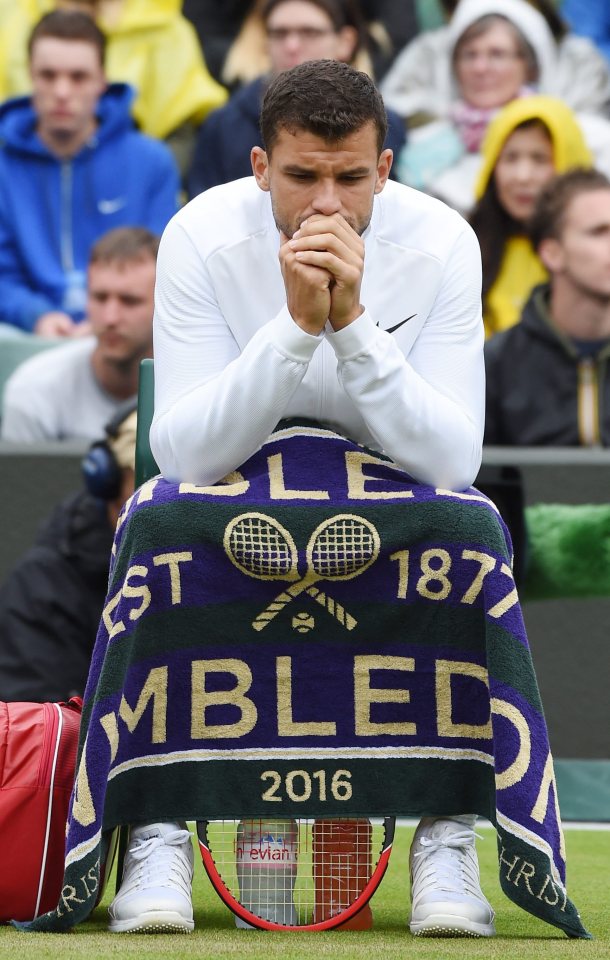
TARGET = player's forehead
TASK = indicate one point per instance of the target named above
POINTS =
(299, 147)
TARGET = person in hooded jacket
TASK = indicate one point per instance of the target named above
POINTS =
(492, 53)
(548, 376)
(51, 602)
(72, 167)
(421, 83)
(526, 144)
(149, 45)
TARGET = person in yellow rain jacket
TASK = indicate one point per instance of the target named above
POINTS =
(526, 144)
(548, 376)
(150, 45)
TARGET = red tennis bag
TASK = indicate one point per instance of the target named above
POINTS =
(38, 743)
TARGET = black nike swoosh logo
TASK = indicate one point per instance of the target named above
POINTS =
(397, 325)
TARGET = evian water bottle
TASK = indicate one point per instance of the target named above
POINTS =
(266, 856)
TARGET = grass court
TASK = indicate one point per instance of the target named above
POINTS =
(519, 935)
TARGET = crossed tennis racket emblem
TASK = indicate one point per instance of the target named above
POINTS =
(340, 548)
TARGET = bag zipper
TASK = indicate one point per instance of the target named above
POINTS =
(54, 722)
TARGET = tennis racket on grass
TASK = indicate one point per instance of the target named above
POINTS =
(281, 874)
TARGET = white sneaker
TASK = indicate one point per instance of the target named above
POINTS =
(155, 893)
(446, 895)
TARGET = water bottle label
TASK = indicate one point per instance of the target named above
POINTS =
(266, 868)
(266, 850)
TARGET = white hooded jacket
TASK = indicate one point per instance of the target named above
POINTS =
(421, 81)
(434, 158)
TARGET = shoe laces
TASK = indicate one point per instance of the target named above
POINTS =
(159, 861)
(447, 862)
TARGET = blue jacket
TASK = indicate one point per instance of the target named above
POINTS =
(589, 18)
(222, 152)
(52, 211)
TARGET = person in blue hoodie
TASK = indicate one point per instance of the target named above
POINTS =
(72, 167)
(296, 32)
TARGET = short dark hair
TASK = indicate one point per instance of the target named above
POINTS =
(554, 199)
(69, 25)
(125, 245)
(324, 97)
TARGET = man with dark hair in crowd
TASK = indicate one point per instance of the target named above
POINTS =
(297, 31)
(50, 604)
(70, 392)
(391, 23)
(72, 167)
(548, 377)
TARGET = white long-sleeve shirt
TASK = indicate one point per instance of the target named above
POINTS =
(230, 361)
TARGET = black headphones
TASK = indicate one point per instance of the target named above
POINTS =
(101, 472)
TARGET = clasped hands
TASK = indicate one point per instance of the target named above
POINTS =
(322, 266)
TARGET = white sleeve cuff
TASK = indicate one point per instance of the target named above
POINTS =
(354, 339)
(290, 340)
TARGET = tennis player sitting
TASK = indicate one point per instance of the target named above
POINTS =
(319, 289)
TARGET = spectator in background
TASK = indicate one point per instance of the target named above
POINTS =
(71, 392)
(297, 31)
(548, 377)
(591, 19)
(150, 46)
(71, 168)
(232, 35)
(420, 85)
(495, 52)
(391, 25)
(50, 604)
(526, 144)
(217, 23)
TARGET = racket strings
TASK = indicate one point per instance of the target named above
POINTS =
(296, 872)
(343, 547)
(261, 548)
